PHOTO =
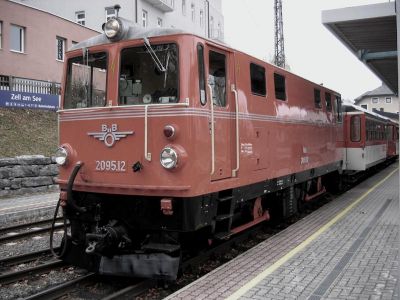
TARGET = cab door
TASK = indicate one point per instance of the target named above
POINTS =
(220, 78)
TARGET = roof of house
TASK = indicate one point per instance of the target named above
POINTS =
(383, 90)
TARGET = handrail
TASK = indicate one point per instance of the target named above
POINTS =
(212, 132)
(234, 171)
(147, 155)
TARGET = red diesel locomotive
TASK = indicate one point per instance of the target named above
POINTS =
(169, 141)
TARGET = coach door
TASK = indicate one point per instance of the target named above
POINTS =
(220, 79)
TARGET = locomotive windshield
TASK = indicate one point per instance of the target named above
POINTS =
(143, 81)
(86, 81)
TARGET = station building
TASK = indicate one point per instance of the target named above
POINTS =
(32, 47)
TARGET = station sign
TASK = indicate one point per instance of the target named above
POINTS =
(12, 99)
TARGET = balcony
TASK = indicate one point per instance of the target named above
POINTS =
(163, 5)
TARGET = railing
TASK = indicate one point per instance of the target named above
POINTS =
(17, 84)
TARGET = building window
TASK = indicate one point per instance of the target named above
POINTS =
(388, 99)
(317, 98)
(1, 34)
(375, 100)
(159, 22)
(184, 7)
(280, 86)
(365, 106)
(80, 17)
(201, 18)
(60, 44)
(17, 35)
(193, 10)
(257, 78)
(211, 29)
(144, 18)
(110, 13)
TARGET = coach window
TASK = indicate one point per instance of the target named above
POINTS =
(257, 78)
(317, 98)
(355, 128)
(280, 86)
(202, 82)
(328, 101)
(217, 77)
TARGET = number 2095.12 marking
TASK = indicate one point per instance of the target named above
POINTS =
(111, 165)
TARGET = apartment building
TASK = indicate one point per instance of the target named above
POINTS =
(381, 100)
(202, 17)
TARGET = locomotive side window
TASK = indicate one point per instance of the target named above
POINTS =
(328, 101)
(217, 77)
(338, 108)
(202, 82)
(280, 86)
(142, 81)
(355, 128)
(86, 81)
(317, 98)
(257, 77)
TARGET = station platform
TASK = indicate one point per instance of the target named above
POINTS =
(347, 249)
(20, 208)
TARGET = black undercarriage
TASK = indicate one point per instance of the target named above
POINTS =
(147, 236)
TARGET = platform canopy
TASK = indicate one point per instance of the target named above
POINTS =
(370, 32)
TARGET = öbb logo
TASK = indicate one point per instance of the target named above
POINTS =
(110, 135)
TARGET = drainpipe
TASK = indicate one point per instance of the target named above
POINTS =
(208, 17)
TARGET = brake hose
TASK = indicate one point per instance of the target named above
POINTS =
(64, 248)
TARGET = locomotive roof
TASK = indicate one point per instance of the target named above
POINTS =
(134, 32)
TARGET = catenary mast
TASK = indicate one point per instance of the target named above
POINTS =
(279, 58)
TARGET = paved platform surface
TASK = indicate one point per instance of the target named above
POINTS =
(22, 207)
(347, 249)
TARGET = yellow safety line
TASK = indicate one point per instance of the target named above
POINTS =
(244, 289)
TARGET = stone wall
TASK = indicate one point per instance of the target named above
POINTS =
(27, 174)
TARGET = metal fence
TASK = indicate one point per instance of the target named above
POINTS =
(17, 84)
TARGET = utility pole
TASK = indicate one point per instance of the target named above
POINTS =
(279, 58)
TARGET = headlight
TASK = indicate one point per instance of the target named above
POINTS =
(61, 156)
(112, 28)
(168, 158)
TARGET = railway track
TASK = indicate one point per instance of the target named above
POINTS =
(21, 231)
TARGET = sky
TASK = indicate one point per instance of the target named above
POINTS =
(311, 50)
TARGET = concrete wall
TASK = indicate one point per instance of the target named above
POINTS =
(39, 60)
(95, 14)
(27, 174)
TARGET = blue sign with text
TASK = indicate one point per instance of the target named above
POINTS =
(12, 99)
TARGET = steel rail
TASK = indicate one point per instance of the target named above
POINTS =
(61, 289)
(132, 290)
(24, 258)
(27, 225)
(8, 238)
(10, 277)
